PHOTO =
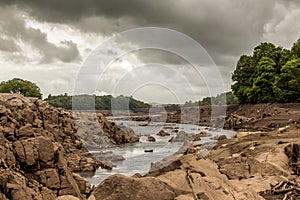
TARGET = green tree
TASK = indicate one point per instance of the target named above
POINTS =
(262, 90)
(295, 51)
(287, 84)
(243, 78)
(20, 86)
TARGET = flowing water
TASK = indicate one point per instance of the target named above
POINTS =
(136, 160)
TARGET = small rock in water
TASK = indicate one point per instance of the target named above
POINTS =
(182, 136)
(203, 134)
(151, 138)
(163, 133)
(148, 150)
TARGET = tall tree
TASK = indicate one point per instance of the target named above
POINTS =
(243, 78)
(262, 89)
(287, 84)
(20, 86)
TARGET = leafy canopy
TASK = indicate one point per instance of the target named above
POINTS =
(270, 74)
(20, 86)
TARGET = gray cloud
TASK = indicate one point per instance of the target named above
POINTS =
(8, 45)
(225, 29)
(15, 29)
(230, 23)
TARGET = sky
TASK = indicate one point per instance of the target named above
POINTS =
(157, 51)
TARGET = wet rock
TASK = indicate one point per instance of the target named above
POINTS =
(163, 133)
(165, 165)
(203, 134)
(182, 136)
(148, 150)
(222, 137)
(108, 156)
(197, 137)
(107, 165)
(151, 138)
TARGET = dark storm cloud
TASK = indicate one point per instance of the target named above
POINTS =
(15, 29)
(226, 29)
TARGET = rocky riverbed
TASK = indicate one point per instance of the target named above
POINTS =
(261, 162)
(40, 149)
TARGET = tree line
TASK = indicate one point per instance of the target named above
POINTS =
(227, 98)
(90, 102)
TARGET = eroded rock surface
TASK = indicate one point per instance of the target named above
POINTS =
(40, 150)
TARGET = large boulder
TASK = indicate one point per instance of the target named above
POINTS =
(122, 187)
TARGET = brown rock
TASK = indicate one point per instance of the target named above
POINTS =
(203, 134)
(163, 133)
(7, 155)
(182, 136)
(151, 138)
(31, 153)
(84, 186)
(222, 137)
(122, 187)
(19, 151)
(242, 167)
(49, 178)
(197, 137)
(46, 152)
(67, 197)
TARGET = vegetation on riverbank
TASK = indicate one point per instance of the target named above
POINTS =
(270, 74)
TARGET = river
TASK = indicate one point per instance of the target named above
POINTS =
(136, 160)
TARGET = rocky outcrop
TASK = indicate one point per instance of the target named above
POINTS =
(122, 187)
(39, 150)
(97, 132)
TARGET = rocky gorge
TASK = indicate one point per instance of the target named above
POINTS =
(42, 147)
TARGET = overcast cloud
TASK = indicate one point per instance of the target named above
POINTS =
(56, 36)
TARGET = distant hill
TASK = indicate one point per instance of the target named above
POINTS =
(90, 102)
